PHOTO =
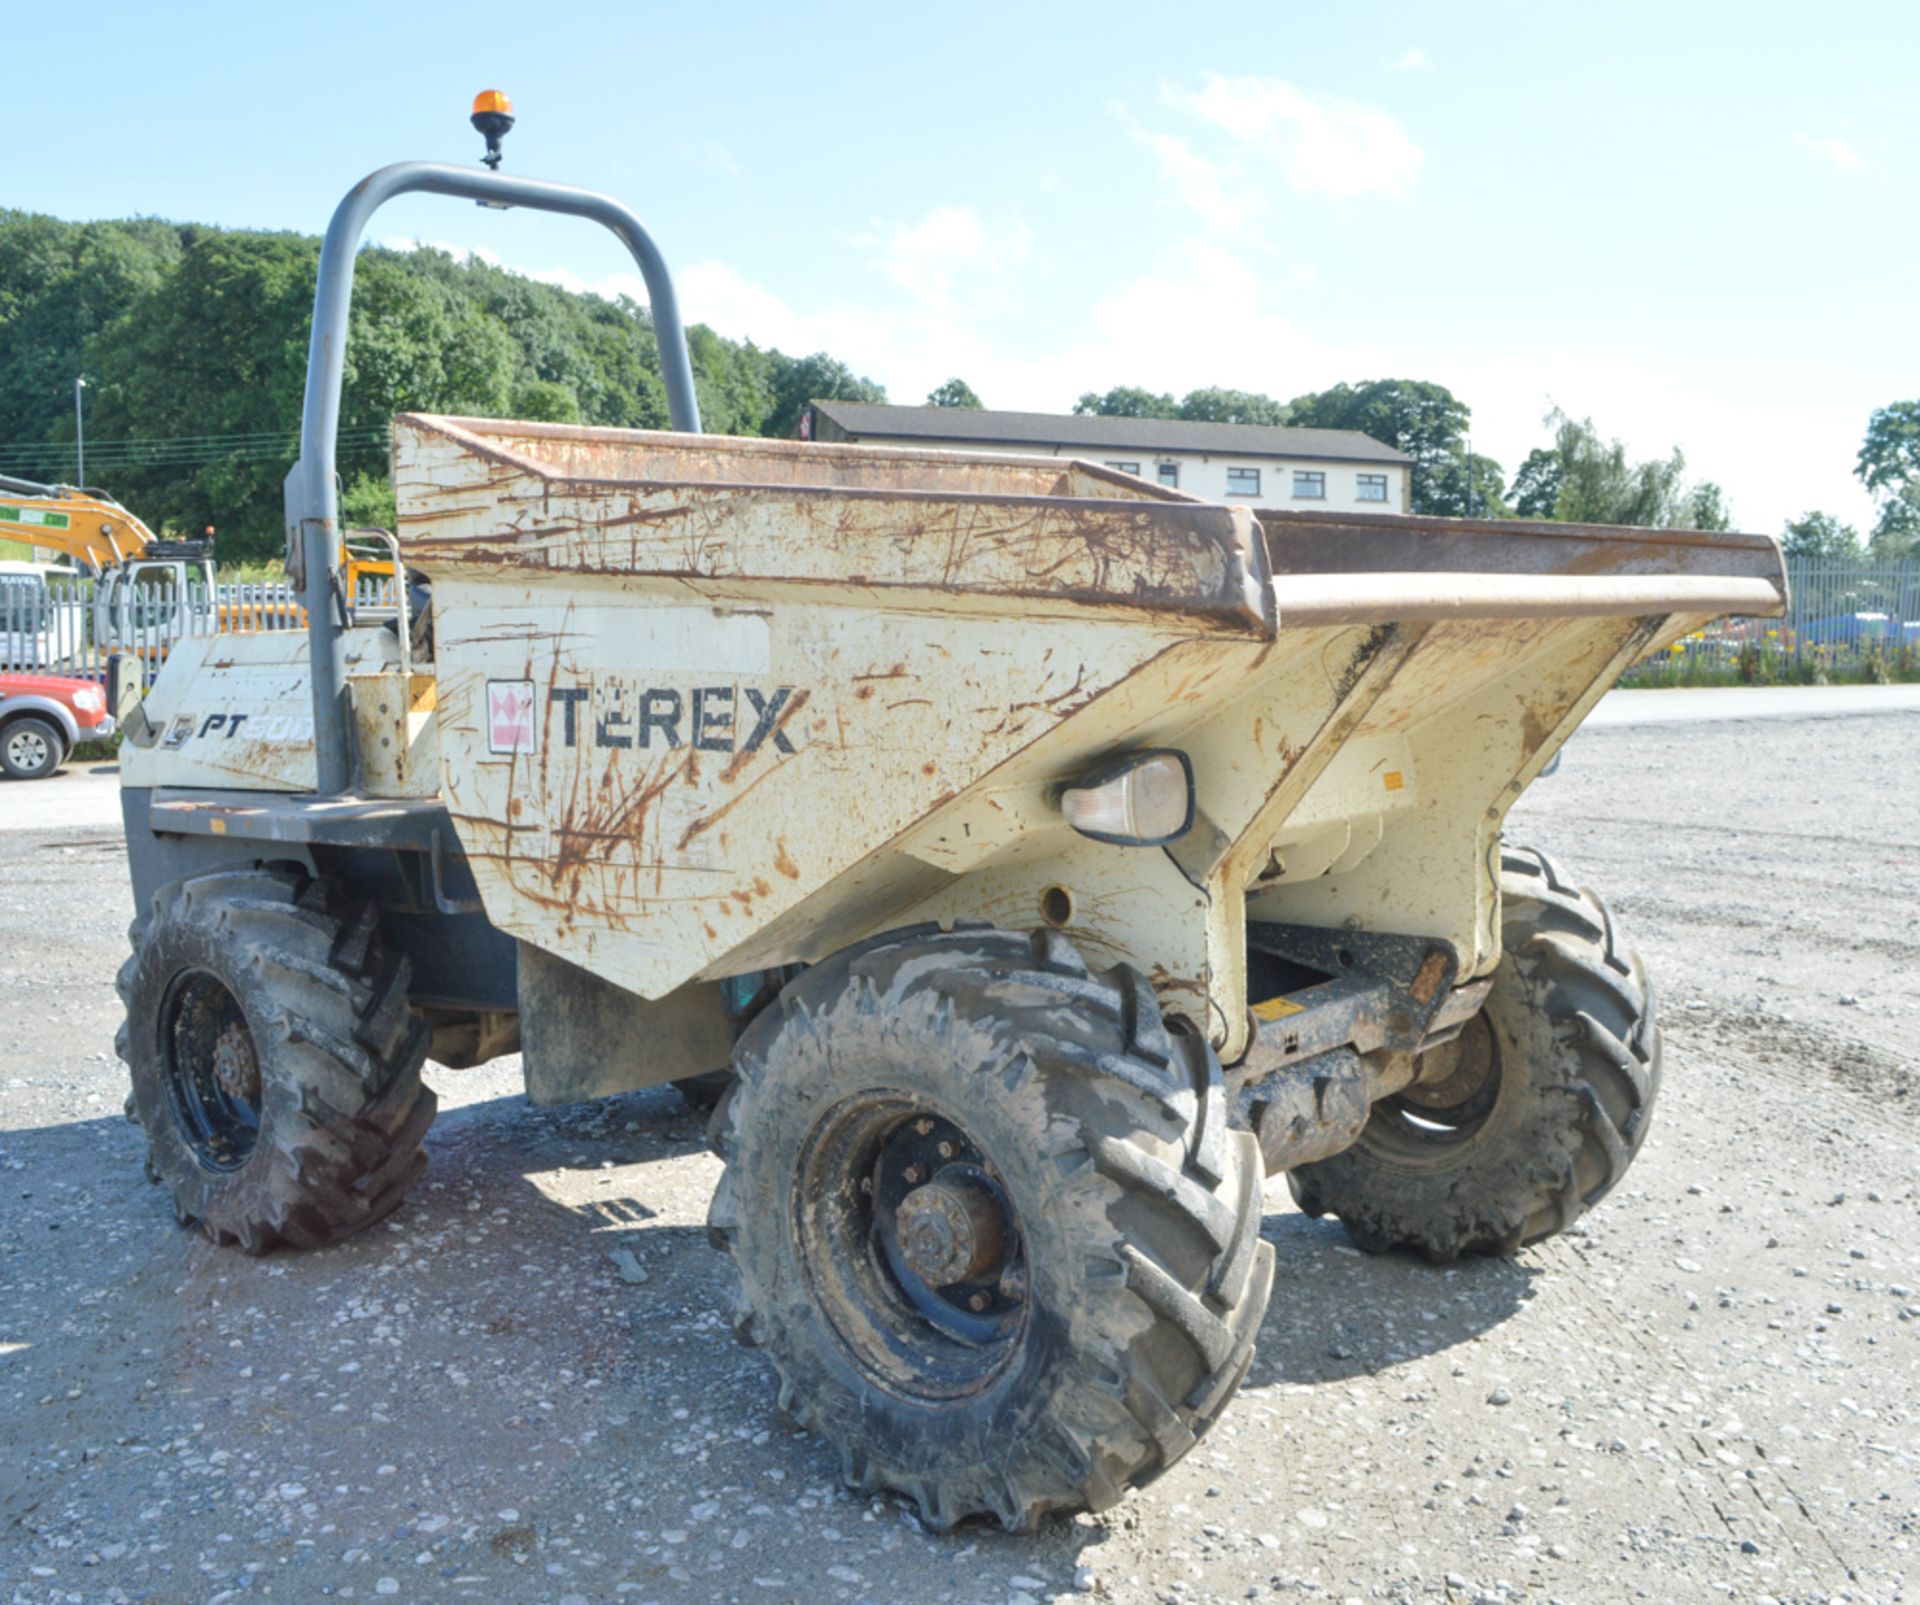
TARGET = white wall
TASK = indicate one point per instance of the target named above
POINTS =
(1206, 476)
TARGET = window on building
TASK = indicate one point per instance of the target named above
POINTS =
(1243, 482)
(1309, 485)
(1126, 468)
(1170, 474)
(1373, 488)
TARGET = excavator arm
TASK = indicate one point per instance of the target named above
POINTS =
(94, 530)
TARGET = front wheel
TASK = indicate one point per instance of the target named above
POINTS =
(31, 749)
(275, 1063)
(988, 1218)
(1542, 1102)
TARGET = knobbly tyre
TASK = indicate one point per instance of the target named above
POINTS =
(976, 811)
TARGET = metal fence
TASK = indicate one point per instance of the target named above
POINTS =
(1847, 621)
(53, 622)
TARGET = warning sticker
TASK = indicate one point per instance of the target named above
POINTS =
(1393, 779)
(510, 726)
(1277, 1009)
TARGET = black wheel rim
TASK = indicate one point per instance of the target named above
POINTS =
(911, 1246)
(1448, 1107)
(212, 1070)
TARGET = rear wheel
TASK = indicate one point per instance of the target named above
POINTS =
(1538, 1107)
(275, 1063)
(31, 748)
(989, 1221)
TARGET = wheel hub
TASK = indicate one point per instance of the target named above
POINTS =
(212, 1069)
(1455, 1074)
(952, 1229)
(27, 748)
(912, 1246)
(234, 1065)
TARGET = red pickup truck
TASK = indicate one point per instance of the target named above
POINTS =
(42, 716)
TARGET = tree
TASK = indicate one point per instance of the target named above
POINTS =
(1707, 507)
(1465, 487)
(546, 401)
(1890, 455)
(210, 361)
(1896, 537)
(1598, 485)
(798, 380)
(62, 285)
(1820, 536)
(1425, 420)
(1889, 465)
(194, 340)
(1535, 491)
(1127, 401)
(1232, 407)
(955, 393)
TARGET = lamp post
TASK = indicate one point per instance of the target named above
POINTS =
(79, 435)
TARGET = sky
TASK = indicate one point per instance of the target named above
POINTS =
(1694, 224)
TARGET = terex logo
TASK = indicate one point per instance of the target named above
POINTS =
(510, 726)
(706, 718)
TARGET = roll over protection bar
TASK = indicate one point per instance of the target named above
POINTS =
(312, 487)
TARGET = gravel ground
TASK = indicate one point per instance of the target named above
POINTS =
(1709, 1389)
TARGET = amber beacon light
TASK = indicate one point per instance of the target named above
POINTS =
(492, 116)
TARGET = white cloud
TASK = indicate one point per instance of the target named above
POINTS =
(948, 257)
(708, 155)
(934, 297)
(1209, 317)
(1199, 181)
(1415, 60)
(1203, 319)
(1836, 153)
(1317, 142)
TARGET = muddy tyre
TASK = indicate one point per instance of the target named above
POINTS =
(1548, 1102)
(275, 1063)
(988, 1219)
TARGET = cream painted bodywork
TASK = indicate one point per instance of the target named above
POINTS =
(953, 636)
(235, 713)
(704, 706)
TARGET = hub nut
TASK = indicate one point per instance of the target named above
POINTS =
(951, 1230)
(235, 1066)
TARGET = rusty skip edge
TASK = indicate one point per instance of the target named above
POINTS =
(1021, 537)
(483, 438)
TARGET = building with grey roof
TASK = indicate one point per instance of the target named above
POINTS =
(1263, 467)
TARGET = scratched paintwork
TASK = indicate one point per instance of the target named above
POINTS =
(701, 706)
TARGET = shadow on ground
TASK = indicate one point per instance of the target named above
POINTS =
(479, 1368)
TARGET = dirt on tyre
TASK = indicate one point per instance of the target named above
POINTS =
(275, 1063)
(1547, 1099)
(989, 1221)
(31, 748)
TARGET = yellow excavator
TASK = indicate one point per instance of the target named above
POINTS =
(149, 591)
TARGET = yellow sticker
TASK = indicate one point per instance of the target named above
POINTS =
(1277, 1009)
(1394, 780)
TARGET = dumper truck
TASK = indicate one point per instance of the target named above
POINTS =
(1044, 858)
